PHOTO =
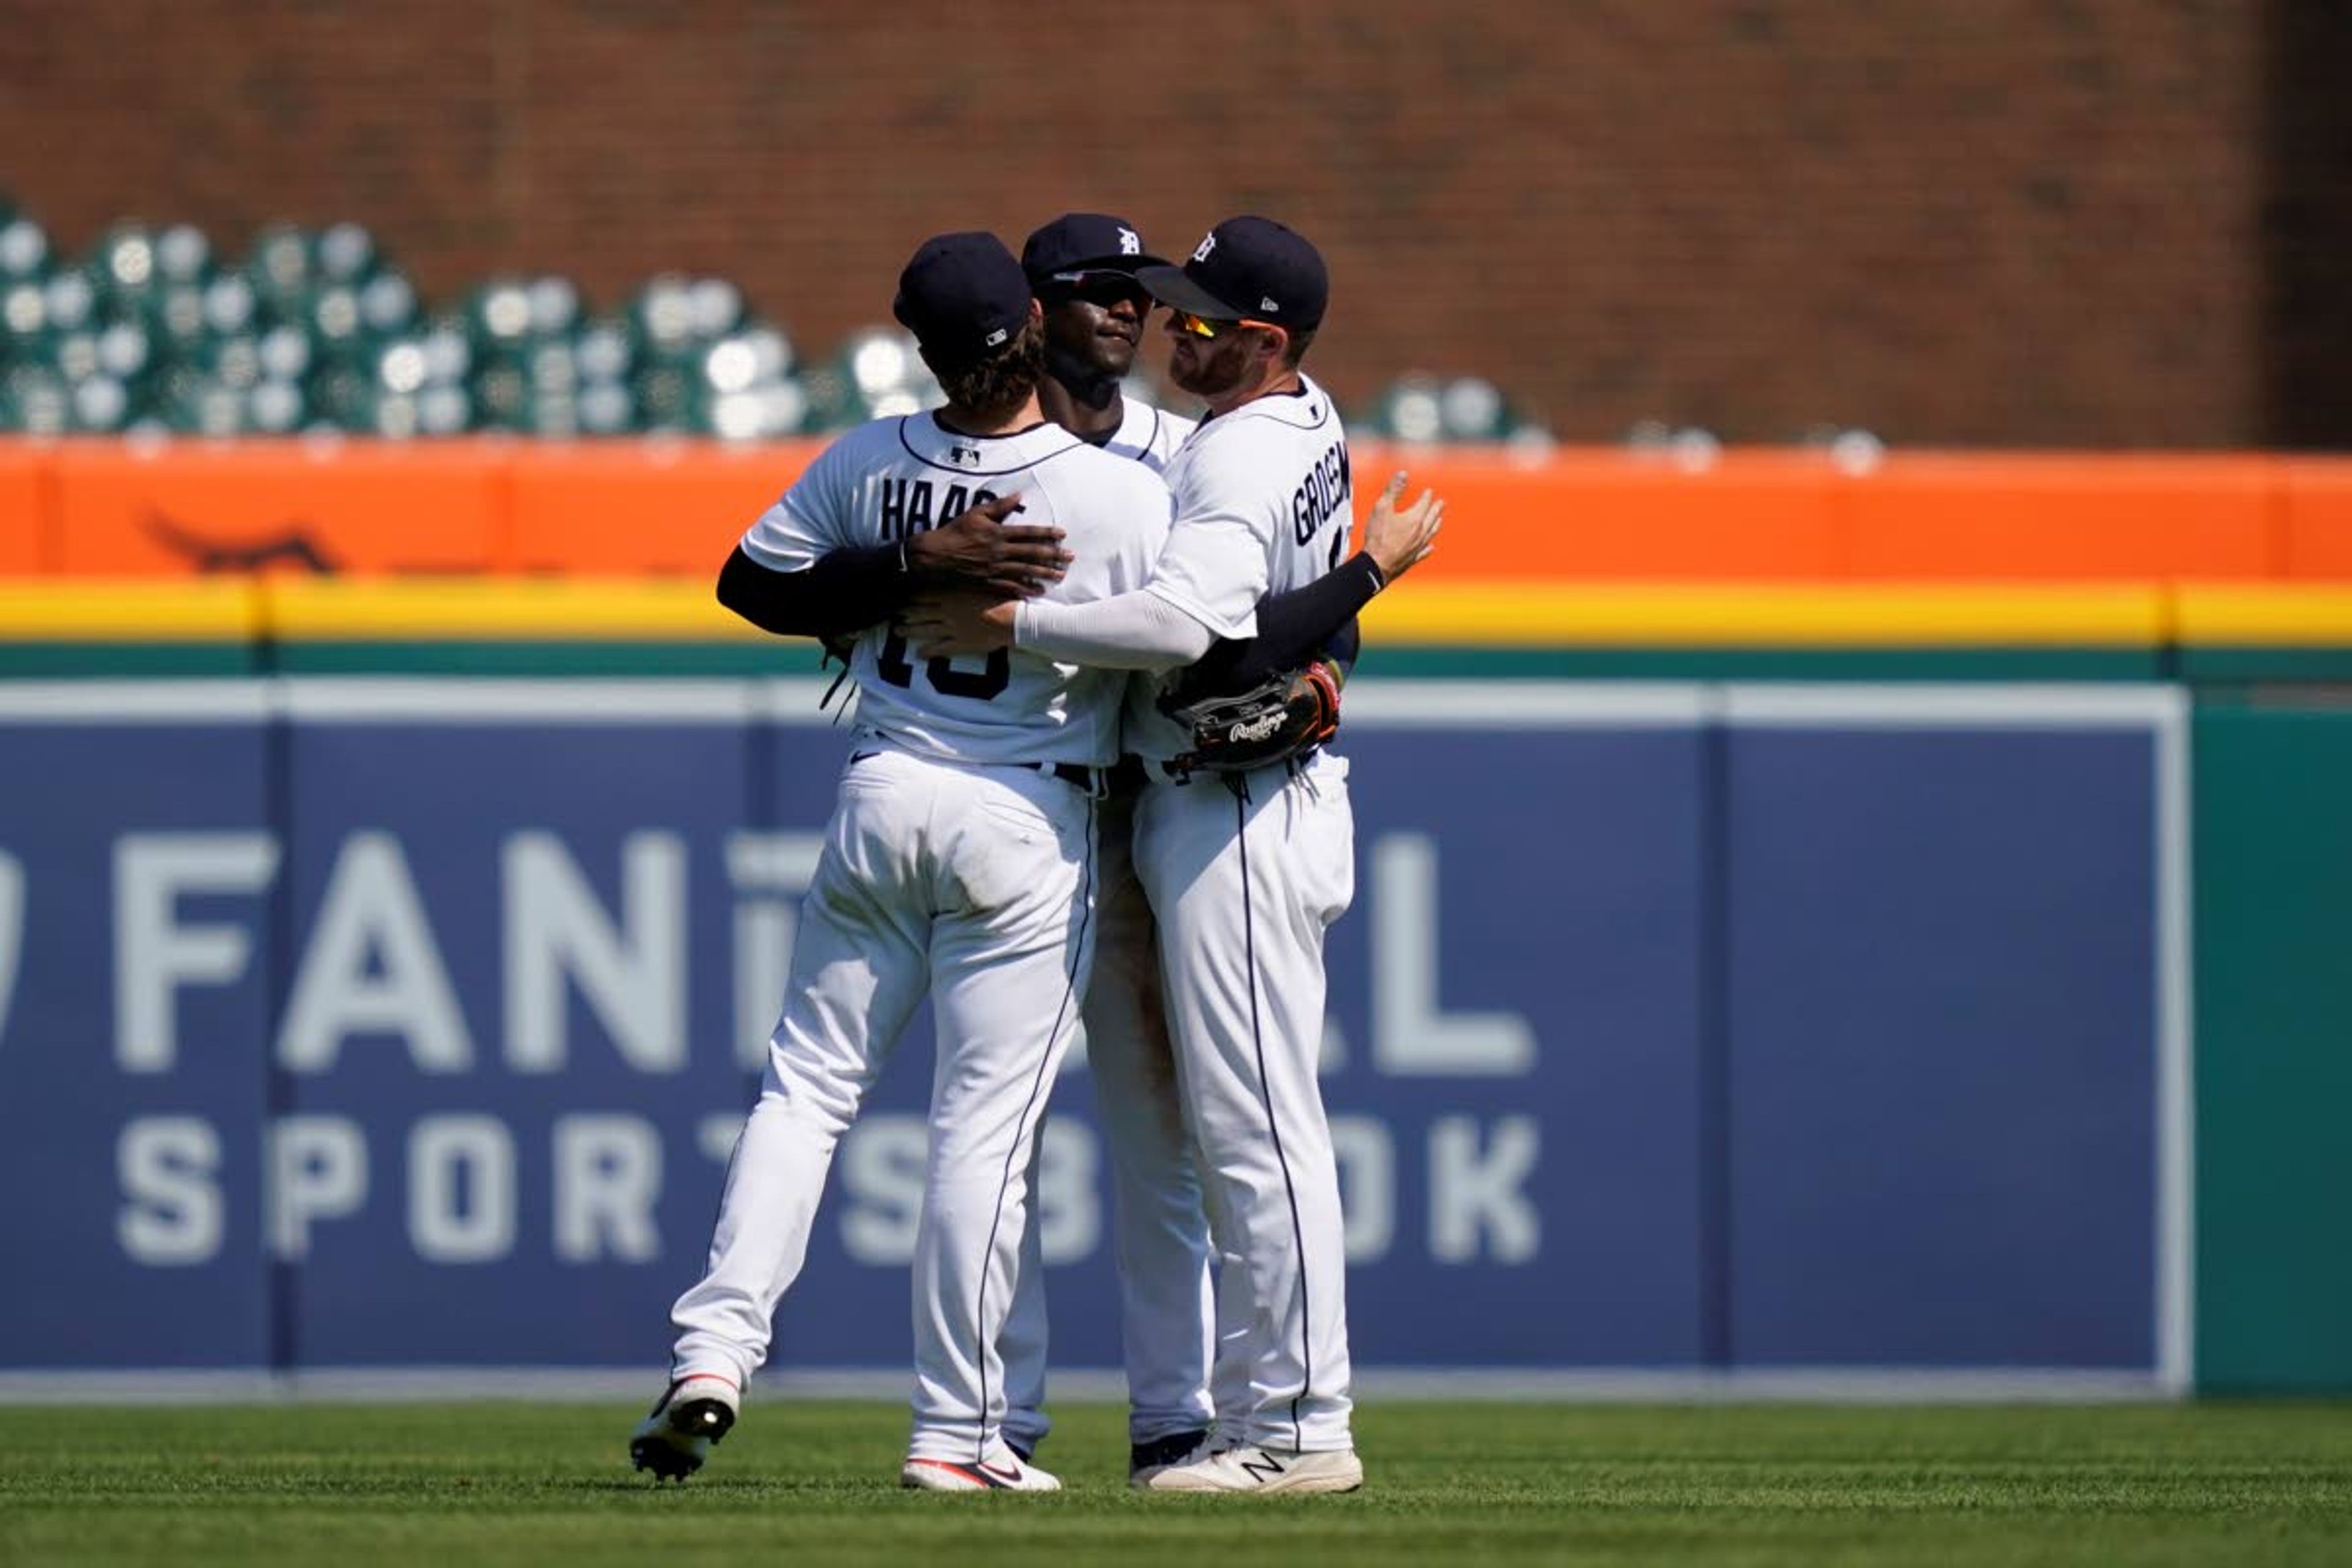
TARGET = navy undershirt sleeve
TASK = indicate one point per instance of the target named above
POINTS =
(1315, 621)
(845, 592)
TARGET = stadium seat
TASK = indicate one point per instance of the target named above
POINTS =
(24, 244)
(154, 328)
(880, 373)
(32, 399)
(279, 266)
(1420, 408)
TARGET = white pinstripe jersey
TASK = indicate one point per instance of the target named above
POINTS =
(1149, 435)
(892, 479)
(1263, 504)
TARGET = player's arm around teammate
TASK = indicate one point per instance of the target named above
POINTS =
(1131, 633)
(847, 590)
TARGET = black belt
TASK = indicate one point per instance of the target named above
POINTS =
(1295, 762)
(1077, 775)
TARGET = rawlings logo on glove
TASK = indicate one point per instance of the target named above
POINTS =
(1280, 718)
(1258, 729)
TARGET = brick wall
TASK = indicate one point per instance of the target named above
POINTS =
(2026, 221)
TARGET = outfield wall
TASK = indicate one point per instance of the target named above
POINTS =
(1677, 1027)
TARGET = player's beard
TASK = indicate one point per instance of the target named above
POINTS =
(1210, 370)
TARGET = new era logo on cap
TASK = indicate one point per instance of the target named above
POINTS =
(1243, 259)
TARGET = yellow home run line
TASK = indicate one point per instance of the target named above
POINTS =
(1752, 615)
(1585, 615)
(522, 610)
(34, 609)
(2227, 616)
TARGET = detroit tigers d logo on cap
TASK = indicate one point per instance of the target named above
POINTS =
(1247, 269)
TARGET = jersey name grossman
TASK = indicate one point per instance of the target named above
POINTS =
(1323, 490)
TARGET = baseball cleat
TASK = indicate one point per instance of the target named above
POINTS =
(693, 1414)
(1145, 1460)
(1262, 1471)
(1006, 1472)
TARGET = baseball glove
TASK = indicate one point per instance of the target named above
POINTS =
(1281, 717)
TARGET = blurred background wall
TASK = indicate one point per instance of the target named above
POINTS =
(2095, 223)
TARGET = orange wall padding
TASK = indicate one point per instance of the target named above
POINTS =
(22, 510)
(2318, 507)
(598, 507)
(363, 507)
(115, 508)
(2053, 517)
(1584, 514)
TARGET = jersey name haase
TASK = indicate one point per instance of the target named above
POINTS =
(907, 507)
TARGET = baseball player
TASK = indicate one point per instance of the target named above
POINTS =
(1243, 879)
(1082, 266)
(959, 860)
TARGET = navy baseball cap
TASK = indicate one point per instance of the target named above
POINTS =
(1084, 242)
(964, 297)
(1248, 269)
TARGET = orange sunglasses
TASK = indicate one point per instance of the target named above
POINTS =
(1206, 327)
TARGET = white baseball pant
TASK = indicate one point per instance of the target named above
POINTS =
(976, 883)
(1160, 1231)
(1245, 873)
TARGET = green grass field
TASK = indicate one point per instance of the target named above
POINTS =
(1449, 1484)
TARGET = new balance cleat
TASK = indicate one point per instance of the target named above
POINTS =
(1145, 1460)
(1004, 1472)
(692, 1414)
(1264, 1472)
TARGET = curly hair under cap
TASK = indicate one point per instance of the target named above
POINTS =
(993, 390)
